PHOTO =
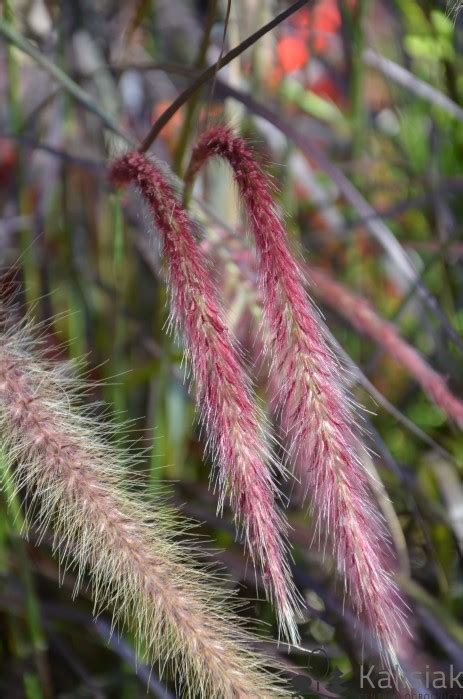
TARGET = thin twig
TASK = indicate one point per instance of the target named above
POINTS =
(222, 48)
(15, 38)
(185, 133)
(210, 72)
(406, 79)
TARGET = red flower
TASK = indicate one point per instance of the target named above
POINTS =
(293, 53)
(311, 30)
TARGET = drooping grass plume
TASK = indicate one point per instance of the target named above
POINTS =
(315, 408)
(235, 435)
(363, 316)
(76, 483)
(357, 311)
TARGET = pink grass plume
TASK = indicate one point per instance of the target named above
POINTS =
(315, 408)
(128, 548)
(361, 314)
(236, 438)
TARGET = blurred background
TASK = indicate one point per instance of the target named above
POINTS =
(356, 110)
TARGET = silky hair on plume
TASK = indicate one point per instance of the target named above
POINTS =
(75, 482)
(314, 404)
(235, 435)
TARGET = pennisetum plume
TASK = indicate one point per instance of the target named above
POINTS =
(315, 408)
(363, 316)
(354, 308)
(76, 482)
(235, 434)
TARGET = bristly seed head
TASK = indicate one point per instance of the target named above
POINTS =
(367, 321)
(314, 405)
(235, 434)
(77, 483)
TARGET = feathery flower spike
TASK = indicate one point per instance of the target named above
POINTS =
(354, 308)
(235, 435)
(76, 481)
(363, 316)
(314, 405)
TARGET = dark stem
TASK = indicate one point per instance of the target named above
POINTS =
(224, 36)
(191, 110)
(211, 72)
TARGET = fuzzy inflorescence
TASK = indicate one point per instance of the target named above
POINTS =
(234, 427)
(315, 408)
(76, 483)
(354, 308)
(364, 317)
